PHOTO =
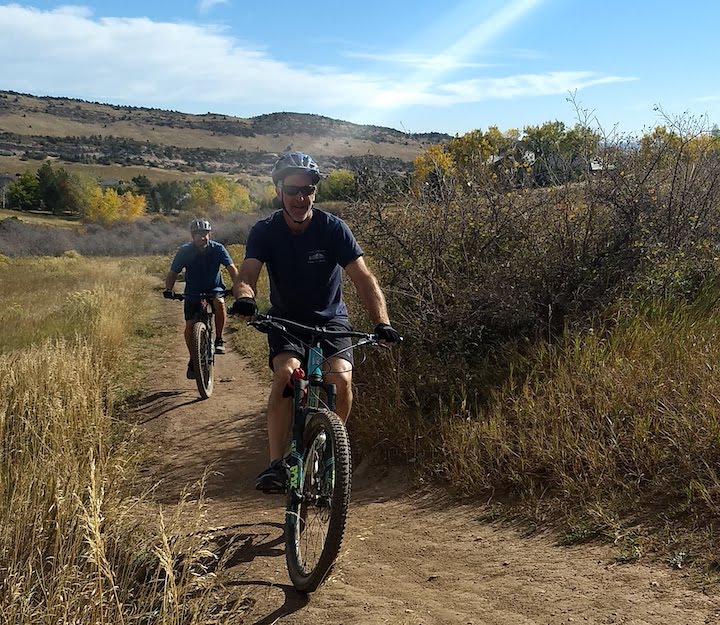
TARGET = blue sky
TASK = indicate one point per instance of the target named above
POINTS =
(448, 65)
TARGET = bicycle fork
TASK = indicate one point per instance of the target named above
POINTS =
(305, 396)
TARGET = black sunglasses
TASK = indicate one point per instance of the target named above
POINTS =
(292, 189)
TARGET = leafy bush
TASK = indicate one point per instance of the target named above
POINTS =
(484, 279)
(470, 269)
(338, 185)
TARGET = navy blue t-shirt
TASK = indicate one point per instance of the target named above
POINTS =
(304, 269)
(202, 269)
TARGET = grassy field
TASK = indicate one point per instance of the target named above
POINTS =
(12, 165)
(40, 218)
(78, 545)
(608, 430)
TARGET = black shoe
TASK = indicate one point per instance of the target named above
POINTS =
(190, 371)
(273, 480)
(219, 346)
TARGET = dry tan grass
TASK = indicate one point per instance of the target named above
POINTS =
(13, 165)
(40, 219)
(246, 340)
(622, 427)
(75, 545)
(143, 125)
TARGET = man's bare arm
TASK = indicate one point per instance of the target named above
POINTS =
(368, 290)
(245, 281)
(170, 280)
(232, 272)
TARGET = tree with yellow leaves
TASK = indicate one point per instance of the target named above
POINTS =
(339, 184)
(433, 170)
(132, 206)
(108, 206)
(218, 194)
(476, 153)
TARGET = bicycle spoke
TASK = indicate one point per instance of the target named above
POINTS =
(203, 359)
(313, 540)
(316, 507)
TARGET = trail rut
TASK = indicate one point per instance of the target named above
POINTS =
(410, 557)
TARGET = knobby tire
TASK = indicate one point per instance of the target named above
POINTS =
(314, 531)
(202, 358)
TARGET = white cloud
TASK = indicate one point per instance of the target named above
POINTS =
(418, 61)
(484, 89)
(205, 5)
(138, 61)
(525, 85)
(196, 68)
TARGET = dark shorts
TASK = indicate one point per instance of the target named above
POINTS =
(193, 308)
(340, 347)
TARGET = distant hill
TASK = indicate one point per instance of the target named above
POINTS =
(97, 135)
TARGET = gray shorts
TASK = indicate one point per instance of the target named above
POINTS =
(340, 347)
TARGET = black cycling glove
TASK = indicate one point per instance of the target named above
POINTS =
(243, 306)
(387, 333)
(168, 294)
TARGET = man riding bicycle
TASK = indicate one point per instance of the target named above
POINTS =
(201, 258)
(304, 249)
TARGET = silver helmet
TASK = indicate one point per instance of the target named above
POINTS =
(199, 225)
(295, 163)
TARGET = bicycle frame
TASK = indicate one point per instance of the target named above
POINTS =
(319, 463)
(307, 390)
(313, 383)
(207, 314)
(315, 359)
(202, 350)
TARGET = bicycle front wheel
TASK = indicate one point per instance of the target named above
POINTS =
(202, 357)
(316, 514)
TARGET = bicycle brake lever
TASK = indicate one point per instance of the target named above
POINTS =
(373, 340)
(265, 326)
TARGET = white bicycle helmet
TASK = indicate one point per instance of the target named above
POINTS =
(200, 225)
(295, 163)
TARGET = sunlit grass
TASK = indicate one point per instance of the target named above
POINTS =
(246, 340)
(611, 421)
(63, 297)
(635, 407)
(38, 218)
(77, 543)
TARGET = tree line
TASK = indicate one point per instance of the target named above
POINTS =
(84, 196)
(540, 156)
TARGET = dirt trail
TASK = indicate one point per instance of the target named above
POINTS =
(409, 558)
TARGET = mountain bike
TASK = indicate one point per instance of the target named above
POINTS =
(319, 464)
(202, 350)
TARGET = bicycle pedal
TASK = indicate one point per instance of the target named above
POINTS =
(271, 490)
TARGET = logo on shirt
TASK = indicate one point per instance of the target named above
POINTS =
(316, 256)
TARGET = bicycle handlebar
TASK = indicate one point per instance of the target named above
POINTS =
(210, 295)
(266, 322)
